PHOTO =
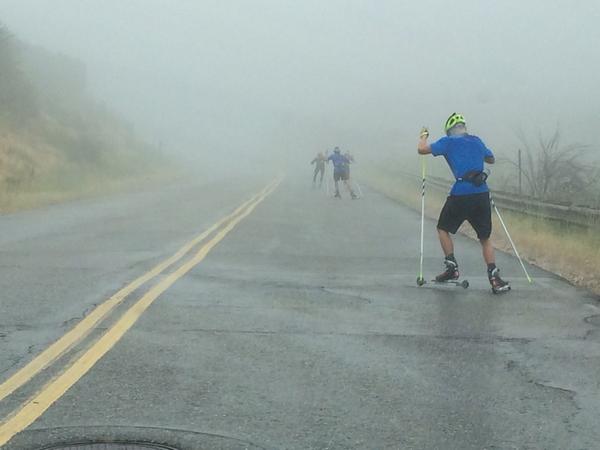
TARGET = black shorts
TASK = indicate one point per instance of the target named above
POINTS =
(474, 208)
(341, 175)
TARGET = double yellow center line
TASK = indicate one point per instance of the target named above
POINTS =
(27, 413)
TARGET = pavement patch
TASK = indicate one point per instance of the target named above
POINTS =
(125, 438)
(108, 446)
(593, 320)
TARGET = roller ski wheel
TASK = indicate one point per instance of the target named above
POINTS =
(420, 281)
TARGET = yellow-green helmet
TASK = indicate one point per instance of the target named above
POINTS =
(453, 120)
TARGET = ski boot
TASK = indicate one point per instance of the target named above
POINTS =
(337, 195)
(498, 284)
(353, 195)
(450, 274)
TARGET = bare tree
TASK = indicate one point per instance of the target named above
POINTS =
(553, 171)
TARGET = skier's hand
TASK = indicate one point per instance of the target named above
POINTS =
(424, 133)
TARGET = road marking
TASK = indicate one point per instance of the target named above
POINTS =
(36, 406)
(86, 325)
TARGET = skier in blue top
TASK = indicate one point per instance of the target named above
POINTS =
(469, 198)
(341, 171)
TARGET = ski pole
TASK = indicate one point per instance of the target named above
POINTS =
(420, 279)
(359, 189)
(510, 239)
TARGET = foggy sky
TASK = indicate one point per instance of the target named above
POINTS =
(256, 78)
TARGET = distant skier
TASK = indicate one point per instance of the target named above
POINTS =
(341, 171)
(469, 198)
(319, 163)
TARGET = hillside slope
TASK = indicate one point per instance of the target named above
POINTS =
(56, 141)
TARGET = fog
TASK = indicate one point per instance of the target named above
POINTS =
(244, 82)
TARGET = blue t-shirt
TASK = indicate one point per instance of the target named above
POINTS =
(463, 154)
(340, 162)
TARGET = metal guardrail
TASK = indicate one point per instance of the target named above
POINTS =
(579, 215)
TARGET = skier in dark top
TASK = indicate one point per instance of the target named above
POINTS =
(341, 171)
(319, 163)
(469, 198)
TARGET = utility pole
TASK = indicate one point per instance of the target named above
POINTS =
(520, 175)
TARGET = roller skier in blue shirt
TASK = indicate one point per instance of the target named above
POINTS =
(469, 198)
(341, 171)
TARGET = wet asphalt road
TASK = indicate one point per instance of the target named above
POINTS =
(302, 329)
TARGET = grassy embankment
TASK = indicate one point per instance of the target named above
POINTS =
(570, 251)
(56, 141)
(36, 171)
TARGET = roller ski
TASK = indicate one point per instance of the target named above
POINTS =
(449, 276)
(462, 283)
(459, 283)
(499, 286)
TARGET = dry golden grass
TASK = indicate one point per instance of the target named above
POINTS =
(570, 251)
(34, 172)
